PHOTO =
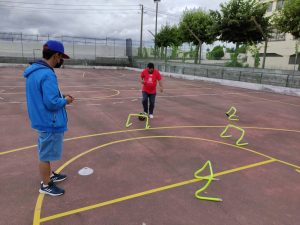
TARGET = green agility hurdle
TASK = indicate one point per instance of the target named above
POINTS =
(209, 179)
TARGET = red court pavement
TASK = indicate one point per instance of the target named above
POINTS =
(146, 177)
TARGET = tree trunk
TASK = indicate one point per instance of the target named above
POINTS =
(200, 52)
(297, 51)
(196, 54)
(166, 50)
(265, 54)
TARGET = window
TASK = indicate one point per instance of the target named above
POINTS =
(294, 60)
(270, 7)
(280, 4)
(277, 36)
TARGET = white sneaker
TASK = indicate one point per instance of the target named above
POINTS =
(151, 116)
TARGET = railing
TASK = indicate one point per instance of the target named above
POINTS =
(260, 76)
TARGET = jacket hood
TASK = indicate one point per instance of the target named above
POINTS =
(38, 65)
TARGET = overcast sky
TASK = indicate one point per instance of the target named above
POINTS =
(93, 18)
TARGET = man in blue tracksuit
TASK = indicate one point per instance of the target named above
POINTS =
(47, 113)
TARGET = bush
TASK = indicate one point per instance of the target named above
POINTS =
(234, 61)
(216, 54)
(230, 50)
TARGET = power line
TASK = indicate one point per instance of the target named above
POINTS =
(56, 4)
(162, 13)
(69, 9)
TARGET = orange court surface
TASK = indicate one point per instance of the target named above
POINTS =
(146, 176)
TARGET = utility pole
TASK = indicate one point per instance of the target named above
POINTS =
(155, 48)
(141, 37)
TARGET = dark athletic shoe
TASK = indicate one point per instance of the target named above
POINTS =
(56, 177)
(51, 189)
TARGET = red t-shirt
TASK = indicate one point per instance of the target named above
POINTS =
(150, 80)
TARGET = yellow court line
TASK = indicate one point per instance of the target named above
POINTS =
(17, 149)
(140, 194)
(109, 133)
(38, 209)
(298, 171)
(148, 137)
(154, 128)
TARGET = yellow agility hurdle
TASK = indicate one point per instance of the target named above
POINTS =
(231, 114)
(238, 128)
(209, 179)
(128, 124)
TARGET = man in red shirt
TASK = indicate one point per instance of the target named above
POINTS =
(149, 78)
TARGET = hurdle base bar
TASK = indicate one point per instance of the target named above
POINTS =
(128, 124)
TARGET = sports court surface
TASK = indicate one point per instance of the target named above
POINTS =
(146, 176)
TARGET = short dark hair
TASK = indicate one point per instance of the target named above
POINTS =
(47, 53)
(150, 65)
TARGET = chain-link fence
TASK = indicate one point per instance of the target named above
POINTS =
(30, 46)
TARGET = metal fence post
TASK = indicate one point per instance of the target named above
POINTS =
(287, 80)
(22, 45)
(73, 50)
(292, 82)
(114, 48)
(222, 73)
(261, 76)
(95, 48)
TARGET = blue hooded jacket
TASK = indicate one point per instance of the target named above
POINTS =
(45, 104)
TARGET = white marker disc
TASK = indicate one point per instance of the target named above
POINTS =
(85, 171)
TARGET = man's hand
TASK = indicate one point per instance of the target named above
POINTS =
(161, 89)
(69, 99)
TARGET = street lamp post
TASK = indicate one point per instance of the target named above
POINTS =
(155, 48)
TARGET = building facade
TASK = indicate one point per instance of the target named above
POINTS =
(281, 51)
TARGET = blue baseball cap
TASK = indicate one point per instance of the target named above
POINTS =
(56, 46)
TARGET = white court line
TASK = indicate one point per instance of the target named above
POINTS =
(13, 93)
(12, 102)
(134, 100)
(86, 91)
(117, 103)
(93, 104)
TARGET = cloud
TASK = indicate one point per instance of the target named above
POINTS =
(98, 19)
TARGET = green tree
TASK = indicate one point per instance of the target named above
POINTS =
(236, 22)
(168, 36)
(287, 20)
(254, 50)
(197, 26)
(244, 22)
